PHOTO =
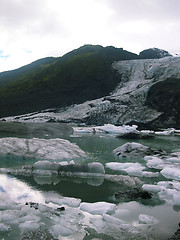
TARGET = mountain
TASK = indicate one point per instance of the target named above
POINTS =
(96, 85)
(153, 53)
(147, 95)
(80, 75)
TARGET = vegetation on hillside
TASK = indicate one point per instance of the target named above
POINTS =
(80, 75)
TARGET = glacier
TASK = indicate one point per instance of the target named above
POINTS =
(126, 104)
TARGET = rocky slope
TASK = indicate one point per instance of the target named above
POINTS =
(147, 95)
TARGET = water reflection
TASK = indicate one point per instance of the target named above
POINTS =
(14, 190)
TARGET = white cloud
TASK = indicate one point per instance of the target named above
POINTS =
(32, 29)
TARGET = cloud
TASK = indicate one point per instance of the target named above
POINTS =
(149, 10)
(2, 55)
(54, 27)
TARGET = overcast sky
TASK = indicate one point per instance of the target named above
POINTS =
(33, 29)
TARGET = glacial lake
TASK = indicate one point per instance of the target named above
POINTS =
(29, 202)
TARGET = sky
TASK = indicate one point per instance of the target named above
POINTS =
(34, 29)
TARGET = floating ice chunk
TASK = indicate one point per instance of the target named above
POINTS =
(111, 219)
(147, 131)
(155, 163)
(29, 225)
(176, 198)
(168, 195)
(152, 188)
(173, 159)
(166, 132)
(131, 168)
(4, 227)
(133, 149)
(171, 173)
(8, 216)
(43, 208)
(170, 184)
(98, 208)
(96, 167)
(29, 217)
(130, 149)
(45, 165)
(59, 200)
(126, 180)
(146, 219)
(119, 213)
(59, 229)
(9, 205)
(54, 149)
(107, 128)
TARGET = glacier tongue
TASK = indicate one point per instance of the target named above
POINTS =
(126, 104)
(53, 149)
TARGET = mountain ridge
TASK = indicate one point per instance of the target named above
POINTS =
(96, 75)
(79, 75)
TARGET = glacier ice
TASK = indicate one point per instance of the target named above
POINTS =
(98, 208)
(134, 149)
(59, 229)
(131, 168)
(107, 128)
(54, 149)
(171, 173)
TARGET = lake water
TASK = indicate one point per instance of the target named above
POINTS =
(124, 222)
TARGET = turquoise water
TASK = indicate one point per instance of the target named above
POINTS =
(98, 148)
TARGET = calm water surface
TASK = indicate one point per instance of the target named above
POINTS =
(99, 148)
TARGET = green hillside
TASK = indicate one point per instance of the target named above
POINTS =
(80, 75)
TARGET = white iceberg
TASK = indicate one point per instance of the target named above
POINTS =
(98, 208)
(131, 150)
(29, 226)
(60, 200)
(152, 188)
(171, 173)
(131, 168)
(176, 198)
(59, 229)
(154, 162)
(54, 149)
(165, 132)
(107, 128)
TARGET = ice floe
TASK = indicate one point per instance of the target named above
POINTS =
(131, 168)
(60, 200)
(171, 173)
(98, 208)
(107, 128)
(133, 149)
(52, 149)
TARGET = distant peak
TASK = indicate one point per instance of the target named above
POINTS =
(153, 53)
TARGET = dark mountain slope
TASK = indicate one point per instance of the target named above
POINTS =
(80, 75)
